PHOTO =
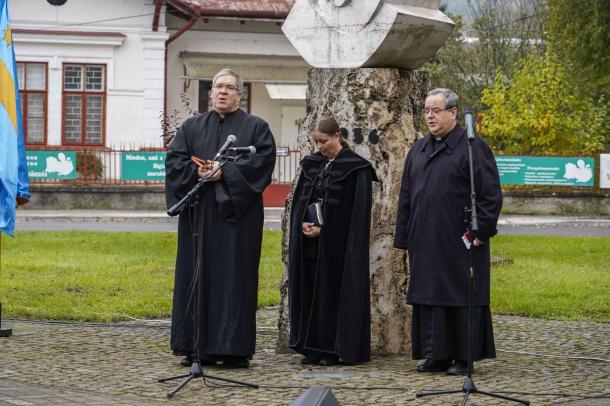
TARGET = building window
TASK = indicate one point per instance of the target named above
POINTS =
(32, 78)
(84, 104)
(205, 101)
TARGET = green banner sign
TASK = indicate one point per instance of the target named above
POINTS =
(528, 170)
(143, 166)
(51, 164)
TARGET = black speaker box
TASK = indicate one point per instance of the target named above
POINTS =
(316, 396)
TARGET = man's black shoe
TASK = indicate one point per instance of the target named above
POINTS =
(236, 362)
(186, 361)
(312, 358)
(207, 360)
(458, 367)
(329, 360)
(434, 365)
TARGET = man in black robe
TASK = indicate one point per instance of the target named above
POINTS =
(215, 296)
(434, 193)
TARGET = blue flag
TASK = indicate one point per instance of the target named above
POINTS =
(14, 181)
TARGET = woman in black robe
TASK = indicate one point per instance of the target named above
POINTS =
(328, 270)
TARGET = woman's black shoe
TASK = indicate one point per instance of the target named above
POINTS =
(458, 367)
(434, 365)
(186, 361)
(328, 360)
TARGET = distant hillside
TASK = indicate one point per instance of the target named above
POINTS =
(459, 7)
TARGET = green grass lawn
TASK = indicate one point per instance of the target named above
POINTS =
(119, 276)
(552, 277)
(103, 276)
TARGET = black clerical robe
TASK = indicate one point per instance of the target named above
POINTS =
(229, 220)
(329, 294)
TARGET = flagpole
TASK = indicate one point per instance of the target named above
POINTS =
(15, 161)
(4, 332)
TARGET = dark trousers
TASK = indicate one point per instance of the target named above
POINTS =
(441, 332)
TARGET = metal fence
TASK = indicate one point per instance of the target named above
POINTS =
(146, 166)
(121, 166)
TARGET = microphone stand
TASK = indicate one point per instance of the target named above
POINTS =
(469, 385)
(196, 370)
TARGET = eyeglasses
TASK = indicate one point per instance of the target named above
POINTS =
(435, 110)
(228, 88)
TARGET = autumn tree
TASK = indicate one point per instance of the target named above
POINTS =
(542, 111)
(579, 33)
(556, 103)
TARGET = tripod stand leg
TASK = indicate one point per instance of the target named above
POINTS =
(187, 380)
(218, 378)
(171, 378)
(495, 395)
(197, 372)
(465, 399)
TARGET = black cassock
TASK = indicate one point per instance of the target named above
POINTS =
(230, 224)
(435, 190)
(328, 276)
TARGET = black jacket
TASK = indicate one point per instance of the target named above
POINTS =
(435, 190)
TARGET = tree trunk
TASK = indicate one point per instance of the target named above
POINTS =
(381, 111)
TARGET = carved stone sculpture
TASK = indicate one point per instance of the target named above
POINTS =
(367, 33)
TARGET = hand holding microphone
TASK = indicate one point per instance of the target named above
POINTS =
(212, 168)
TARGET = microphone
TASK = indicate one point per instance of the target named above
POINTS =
(469, 124)
(230, 140)
(243, 150)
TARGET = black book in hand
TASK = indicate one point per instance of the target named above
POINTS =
(313, 214)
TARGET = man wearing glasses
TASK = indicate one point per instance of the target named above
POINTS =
(223, 282)
(431, 224)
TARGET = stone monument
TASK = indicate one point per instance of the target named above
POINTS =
(364, 53)
(367, 33)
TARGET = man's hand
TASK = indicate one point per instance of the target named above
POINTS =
(310, 230)
(212, 166)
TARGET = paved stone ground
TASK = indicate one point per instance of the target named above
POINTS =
(46, 363)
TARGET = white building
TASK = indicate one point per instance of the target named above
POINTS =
(246, 36)
(100, 74)
(91, 73)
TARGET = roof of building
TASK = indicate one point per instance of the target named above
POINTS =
(272, 9)
(262, 68)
